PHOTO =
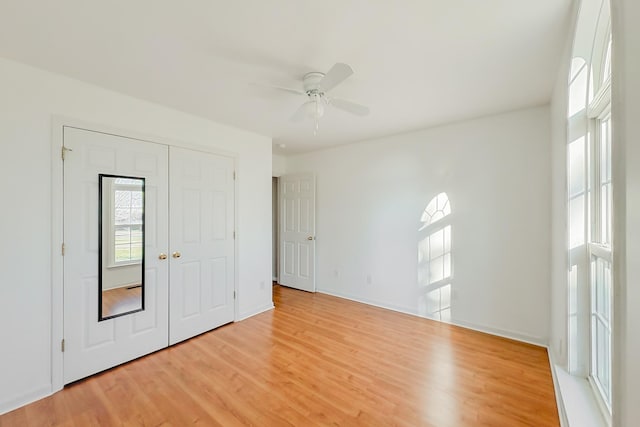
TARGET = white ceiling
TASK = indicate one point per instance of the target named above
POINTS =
(417, 63)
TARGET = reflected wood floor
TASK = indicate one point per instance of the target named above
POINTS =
(121, 300)
(316, 360)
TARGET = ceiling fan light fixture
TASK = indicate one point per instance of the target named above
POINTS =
(314, 109)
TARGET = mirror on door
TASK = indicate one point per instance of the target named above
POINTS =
(121, 242)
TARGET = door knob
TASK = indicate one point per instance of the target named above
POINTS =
(176, 254)
(310, 238)
(162, 256)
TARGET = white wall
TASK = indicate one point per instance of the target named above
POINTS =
(29, 99)
(279, 165)
(496, 172)
(559, 216)
(626, 185)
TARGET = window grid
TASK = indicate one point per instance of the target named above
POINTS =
(127, 228)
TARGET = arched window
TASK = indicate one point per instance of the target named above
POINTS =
(590, 203)
(434, 259)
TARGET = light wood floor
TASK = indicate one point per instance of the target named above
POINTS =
(316, 360)
(121, 300)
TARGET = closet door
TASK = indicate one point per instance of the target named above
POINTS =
(115, 233)
(202, 243)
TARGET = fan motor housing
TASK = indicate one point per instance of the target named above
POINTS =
(311, 82)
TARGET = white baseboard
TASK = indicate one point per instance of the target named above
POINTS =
(252, 313)
(29, 397)
(512, 335)
(562, 413)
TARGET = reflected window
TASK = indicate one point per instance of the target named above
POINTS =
(127, 222)
(434, 259)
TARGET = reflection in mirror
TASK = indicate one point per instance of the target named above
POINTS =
(121, 258)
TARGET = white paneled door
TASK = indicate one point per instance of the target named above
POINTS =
(178, 230)
(92, 345)
(297, 231)
(202, 242)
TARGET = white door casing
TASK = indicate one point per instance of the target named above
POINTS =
(297, 231)
(202, 243)
(93, 346)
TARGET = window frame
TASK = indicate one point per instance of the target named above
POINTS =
(598, 112)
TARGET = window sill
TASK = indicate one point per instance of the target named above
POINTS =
(578, 404)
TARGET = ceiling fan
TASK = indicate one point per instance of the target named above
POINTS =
(315, 86)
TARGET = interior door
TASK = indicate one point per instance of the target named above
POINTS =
(297, 231)
(202, 242)
(93, 345)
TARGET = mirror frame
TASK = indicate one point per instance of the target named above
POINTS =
(101, 249)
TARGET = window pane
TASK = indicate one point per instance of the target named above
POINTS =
(122, 216)
(577, 167)
(122, 235)
(122, 199)
(607, 63)
(136, 216)
(136, 199)
(600, 326)
(122, 253)
(604, 214)
(136, 234)
(576, 222)
(578, 91)
(136, 252)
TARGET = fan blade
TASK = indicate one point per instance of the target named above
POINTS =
(336, 75)
(285, 89)
(350, 107)
(300, 114)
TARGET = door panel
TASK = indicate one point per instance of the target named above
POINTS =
(297, 235)
(202, 282)
(91, 345)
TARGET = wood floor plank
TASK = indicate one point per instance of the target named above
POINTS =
(316, 360)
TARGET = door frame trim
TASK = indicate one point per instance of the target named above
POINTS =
(58, 123)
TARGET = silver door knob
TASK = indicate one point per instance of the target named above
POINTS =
(176, 254)
(162, 256)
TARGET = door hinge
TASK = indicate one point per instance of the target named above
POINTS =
(234, 294)
(62, 345)
(64, 151)
(234, 175)
(234, 234)
(63, 248)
